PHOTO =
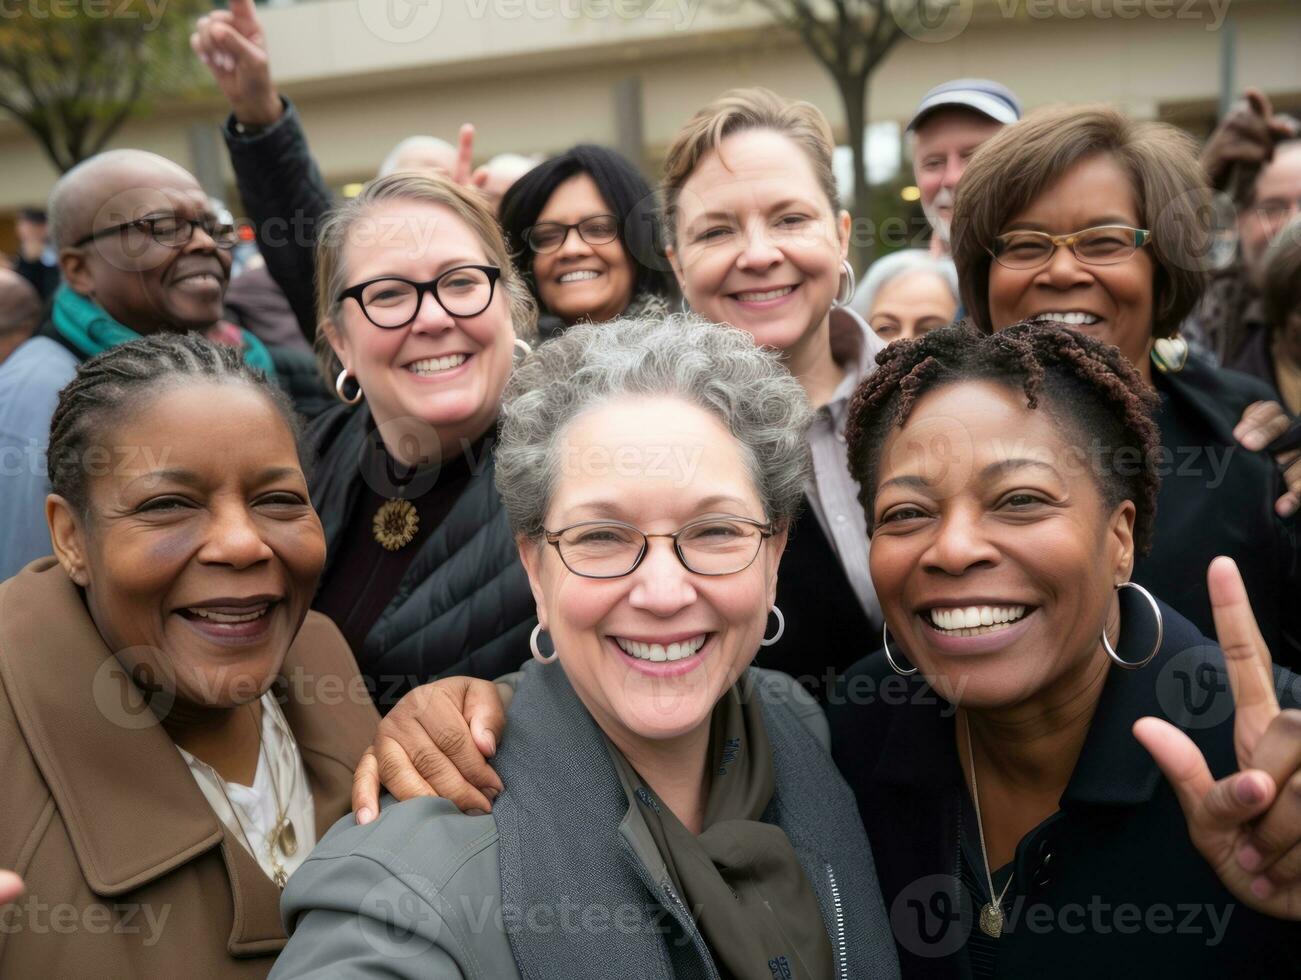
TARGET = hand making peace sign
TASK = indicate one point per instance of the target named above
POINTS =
(1247, 825)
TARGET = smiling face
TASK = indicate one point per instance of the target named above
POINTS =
(1113, 303)
(579, 280)
(442, 371)
(1275, 201)
(757, 244)
(144, 285)
(199, 556)
(911, 305)
(942, 146)
(612, 634)
(993, 553)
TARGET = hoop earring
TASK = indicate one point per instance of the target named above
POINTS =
(683, 306)
(1126, 598)
(523, 345)
(781, 628)
(885, 642)
(339, 382)
(538, 655)
(850, 280)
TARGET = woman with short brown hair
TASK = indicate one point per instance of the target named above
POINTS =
(1081, 216)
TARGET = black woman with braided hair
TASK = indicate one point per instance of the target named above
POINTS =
(1011, 781)
(180, 729)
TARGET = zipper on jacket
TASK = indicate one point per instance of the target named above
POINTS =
(838, 940)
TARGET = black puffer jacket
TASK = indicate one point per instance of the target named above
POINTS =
(463, 606)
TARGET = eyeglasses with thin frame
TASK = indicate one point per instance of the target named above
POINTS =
(612, 549)
(1103, 245)
(391, 302)
(596, 229)
(172, 230)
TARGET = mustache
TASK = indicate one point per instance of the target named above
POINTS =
(943, 199)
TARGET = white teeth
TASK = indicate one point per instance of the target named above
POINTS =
(975, 618)
(579, 276)
(228, 618)
(761, 297)
(659, 652)
(1072, 318)
(432, 365)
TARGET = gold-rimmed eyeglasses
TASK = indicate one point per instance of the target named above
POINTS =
(613, 549)
(1103, 245)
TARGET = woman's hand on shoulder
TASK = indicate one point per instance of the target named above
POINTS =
(435, 742)
(1263, 423)
(1247, 825)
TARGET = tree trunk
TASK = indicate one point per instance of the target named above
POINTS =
(853, 94)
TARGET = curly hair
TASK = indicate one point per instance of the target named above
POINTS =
(116, 383)
(1091, 391)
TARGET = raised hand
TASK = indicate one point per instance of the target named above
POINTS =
(231, 43)
(464, 174)
(1261, 424)
(1246, 135)
(435, 742)
(1247, 825)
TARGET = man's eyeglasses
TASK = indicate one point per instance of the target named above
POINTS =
(392, 302)
(172, 230)
(547, 236)
(613, 549)
(1104, 245)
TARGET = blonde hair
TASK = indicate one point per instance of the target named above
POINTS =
(1015, 166)
(332, 275)
(737, 111)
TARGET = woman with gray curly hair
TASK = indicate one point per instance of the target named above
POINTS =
(650, 470)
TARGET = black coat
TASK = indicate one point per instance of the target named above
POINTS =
(463, 606)
(1110, 885)
(285, 198)
(1217, 498)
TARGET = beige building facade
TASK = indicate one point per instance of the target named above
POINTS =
(536, 76)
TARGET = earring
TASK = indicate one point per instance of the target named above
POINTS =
(851, 281)
(538, 655)
(1129, 606)
(523, 345)
(339, 382)
(683, 306)
(781, 628)
(885, 642)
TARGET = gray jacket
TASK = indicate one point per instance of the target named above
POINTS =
(563, 878)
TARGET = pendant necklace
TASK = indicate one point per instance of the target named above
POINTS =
(395, 524)
(991, 913)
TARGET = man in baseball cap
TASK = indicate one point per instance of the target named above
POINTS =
(952, 120)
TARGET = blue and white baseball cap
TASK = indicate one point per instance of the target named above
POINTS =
(987, 97)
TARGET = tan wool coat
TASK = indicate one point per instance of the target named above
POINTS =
(129, 872)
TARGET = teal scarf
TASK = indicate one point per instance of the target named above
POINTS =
(83, 323)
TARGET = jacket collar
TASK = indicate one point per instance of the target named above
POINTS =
(920, 751)
(126, 796)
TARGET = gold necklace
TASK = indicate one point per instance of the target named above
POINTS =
(395, 524)
(283, 834)
(991, 913)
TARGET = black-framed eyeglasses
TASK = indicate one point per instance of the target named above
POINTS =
(613, 549)
(172, 230)
(1103, 245)
(547, 236)
(391, 302)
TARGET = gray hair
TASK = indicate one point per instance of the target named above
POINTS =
(890, 267)
(713, 366)
(427, 143)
